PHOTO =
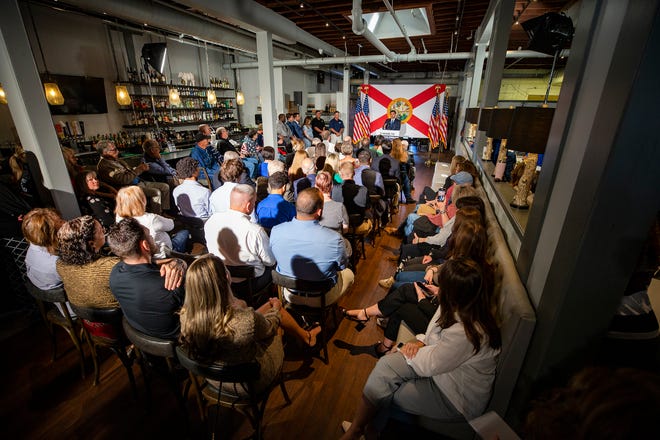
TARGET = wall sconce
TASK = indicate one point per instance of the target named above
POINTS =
(123, 98)
(240, 98)
(3, 96)
(210, 97)
(175, 99)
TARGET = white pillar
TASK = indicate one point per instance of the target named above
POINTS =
(476, 75)
(278, 77)
(266, 86)
(345, 99)
(29, 110)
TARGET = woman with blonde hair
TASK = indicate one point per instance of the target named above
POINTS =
(295, 170)
(131, 202)
(218, 327)
(332, 166)
(400, 153)
(40, 228)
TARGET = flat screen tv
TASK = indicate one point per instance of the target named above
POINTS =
(82, 95)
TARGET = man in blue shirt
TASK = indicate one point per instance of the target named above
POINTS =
(274, 210)
(204, 153)
(336, 127)
(306, 250)
(294, 125)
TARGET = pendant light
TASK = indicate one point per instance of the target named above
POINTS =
(240, 98)
(210, 93)
(123, 97)
(174, 97)
(121, 92)
(3, 96)
(52, 91)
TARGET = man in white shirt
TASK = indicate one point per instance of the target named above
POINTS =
(190, 196)
(239, 242)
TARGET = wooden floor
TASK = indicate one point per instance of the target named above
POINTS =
(44, 399)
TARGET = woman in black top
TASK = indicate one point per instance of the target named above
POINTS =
(96, 198)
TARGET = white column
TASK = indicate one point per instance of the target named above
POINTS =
(29, 110)
(278, 76)
(345, 99)
(476, 75)
(266, 86)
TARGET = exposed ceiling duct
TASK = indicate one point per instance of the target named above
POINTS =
(383, 59)
(164, 17)
(360, 28)
(401, 27)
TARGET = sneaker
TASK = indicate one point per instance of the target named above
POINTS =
(386, 283)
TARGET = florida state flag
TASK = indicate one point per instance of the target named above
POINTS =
(413, 104)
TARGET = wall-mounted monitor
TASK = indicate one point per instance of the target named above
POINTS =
(82, 95)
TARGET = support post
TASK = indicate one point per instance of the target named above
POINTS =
(266, 86)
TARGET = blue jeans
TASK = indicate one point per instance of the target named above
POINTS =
(180, 240)
(251, 163)
(407, 277)
(408, 227)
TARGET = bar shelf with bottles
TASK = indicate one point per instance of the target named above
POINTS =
(194, 108)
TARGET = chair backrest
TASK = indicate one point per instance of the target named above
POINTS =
(149, 344)
(355, 220)
(56, 295)
(241, 271)
(109, 316)
(390, 187)
(239, 373)
(305, 287)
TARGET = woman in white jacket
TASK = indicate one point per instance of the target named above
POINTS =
(448, 372)
(131, 202)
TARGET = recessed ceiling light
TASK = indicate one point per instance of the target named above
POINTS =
(327, 24)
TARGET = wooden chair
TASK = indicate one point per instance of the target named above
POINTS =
(52, 316)
(247, 272)
(392, 190)
(112, 338)
(356, 239)
(309, 289)
(252, 406)
(156, 355)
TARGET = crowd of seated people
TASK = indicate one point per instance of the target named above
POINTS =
(292, 220)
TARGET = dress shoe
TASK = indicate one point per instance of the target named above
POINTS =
(386, 283)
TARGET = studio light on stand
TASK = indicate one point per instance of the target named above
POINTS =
(154, 55)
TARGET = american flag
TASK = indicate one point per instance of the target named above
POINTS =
(361, 127)
(443, 120)
(435, 125)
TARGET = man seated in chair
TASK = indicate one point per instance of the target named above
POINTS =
(192, 198)
(354, 197)
(239, 242)
(308, 251)
(137, 283)
(274, 210)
